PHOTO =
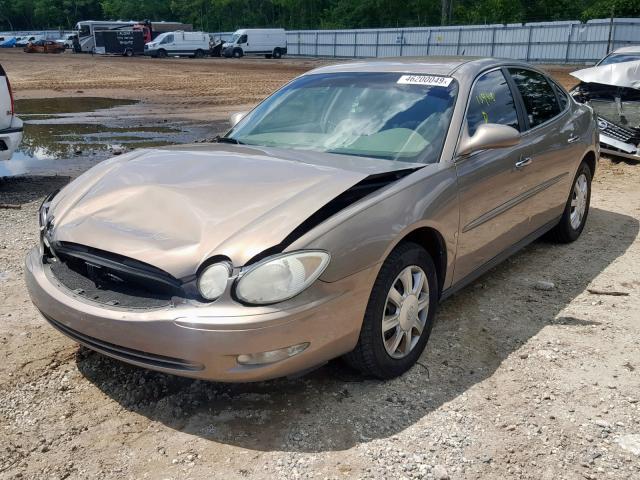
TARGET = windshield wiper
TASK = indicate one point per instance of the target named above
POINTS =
(220, 139)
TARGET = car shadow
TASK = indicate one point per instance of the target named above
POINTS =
(476, 330)
(23, 189)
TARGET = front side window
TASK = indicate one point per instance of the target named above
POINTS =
(375, 115)
(243, 39)
(491, 102)
(167, 39)
(540, 100)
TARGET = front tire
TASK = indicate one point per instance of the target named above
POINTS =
(199, 54)
(237, 53)
(399, 316)
(162, 53)
(576, 209)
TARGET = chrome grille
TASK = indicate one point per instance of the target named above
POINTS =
(625, 135)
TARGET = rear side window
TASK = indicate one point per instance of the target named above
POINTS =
(562, 97)
(491, 102)
(539, 98)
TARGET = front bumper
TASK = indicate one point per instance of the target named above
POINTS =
(10, 138)
(193, 341)
(150, 52)
(613, 146)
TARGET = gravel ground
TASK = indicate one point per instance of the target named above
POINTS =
(527, 375)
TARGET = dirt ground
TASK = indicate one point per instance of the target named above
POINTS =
(516, 382)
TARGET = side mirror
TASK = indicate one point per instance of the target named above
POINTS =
(236, 117)
(487, 136)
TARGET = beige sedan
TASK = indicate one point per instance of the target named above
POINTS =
(329, 221)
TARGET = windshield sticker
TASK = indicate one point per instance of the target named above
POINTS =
(431, 80)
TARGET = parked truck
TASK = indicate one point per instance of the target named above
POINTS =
(120, 42)
(10, 124)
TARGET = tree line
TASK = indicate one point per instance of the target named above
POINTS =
(225, 15)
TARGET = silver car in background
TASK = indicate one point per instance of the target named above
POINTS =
(329, 221)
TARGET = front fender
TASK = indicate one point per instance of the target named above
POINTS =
(363, 234)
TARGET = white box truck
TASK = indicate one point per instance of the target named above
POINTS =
(270, 42)
(179, 43)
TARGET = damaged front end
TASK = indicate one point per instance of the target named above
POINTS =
(108, 241)
(613, 91)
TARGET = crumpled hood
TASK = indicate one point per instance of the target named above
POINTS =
(624, 74)
(174, 208)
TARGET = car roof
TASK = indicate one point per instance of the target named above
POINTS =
(631, 49)
(454, 66)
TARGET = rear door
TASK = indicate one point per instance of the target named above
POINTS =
(550, 141)
(5, 102)
(492, 189)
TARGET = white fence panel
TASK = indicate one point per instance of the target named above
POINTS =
(511, 42)
(558, 42)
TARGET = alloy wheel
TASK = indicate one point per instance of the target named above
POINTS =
(579, 201)
(405, 312)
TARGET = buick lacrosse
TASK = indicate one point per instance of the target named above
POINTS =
(329, 221)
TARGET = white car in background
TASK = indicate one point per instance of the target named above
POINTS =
(67, 40)
(10, 125)
(24, 40)
(620, 55)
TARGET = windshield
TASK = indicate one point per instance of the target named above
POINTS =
(84, 31)
(619, 58)
(235, 38)
(390, 116)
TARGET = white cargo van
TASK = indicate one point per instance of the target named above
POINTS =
(270, 42)
(179, 43)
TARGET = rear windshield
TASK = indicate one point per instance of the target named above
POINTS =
(390, 116)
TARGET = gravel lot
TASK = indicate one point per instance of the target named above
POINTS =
(527, 375)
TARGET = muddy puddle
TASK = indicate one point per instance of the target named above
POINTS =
(67, 135)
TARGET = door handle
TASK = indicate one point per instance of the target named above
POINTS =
(523, 162)
(573, 138)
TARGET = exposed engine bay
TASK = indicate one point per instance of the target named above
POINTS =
(613, 91)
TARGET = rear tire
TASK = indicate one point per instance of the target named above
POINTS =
(576, 209)
(268, 56)
(399, 315)
(277, 53)
(128, 52)
(199, 54)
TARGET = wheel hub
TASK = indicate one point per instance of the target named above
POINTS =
(408, 312)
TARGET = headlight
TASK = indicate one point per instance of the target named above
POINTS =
(279, 278)
(212, 282)
(43, 211)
